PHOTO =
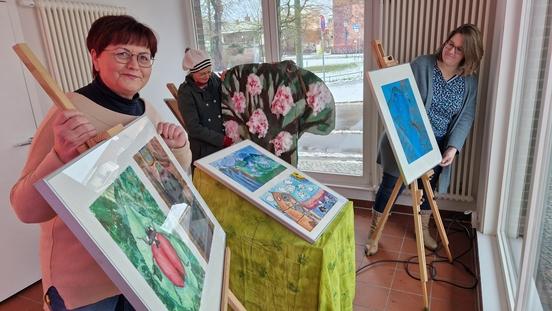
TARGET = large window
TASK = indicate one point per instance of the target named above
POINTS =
(542, 274)
(231, 31)
(322, 36)
(327, 38)
(520, 213)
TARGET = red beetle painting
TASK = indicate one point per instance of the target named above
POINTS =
(166, 257)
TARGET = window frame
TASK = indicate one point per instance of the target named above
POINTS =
(358, 187)
(493, 203)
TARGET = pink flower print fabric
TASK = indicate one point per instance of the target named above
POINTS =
(258, 123)
(282, 102)
(273, 104)
(232, 130)
(282, 142)
(238, 100)
(254, 86)
(318, 97)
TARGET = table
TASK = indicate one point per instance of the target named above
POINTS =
(272, 268)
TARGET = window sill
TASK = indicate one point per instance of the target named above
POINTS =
(493, 291)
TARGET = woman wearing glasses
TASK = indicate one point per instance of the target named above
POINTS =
(122, 52)
(448, 86)
(199, 102)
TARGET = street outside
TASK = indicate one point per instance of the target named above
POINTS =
(339, 152)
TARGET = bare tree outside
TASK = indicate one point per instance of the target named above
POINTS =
(322, 36)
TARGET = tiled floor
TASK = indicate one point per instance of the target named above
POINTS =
(387, 286)
(29, 299)
(381, 287)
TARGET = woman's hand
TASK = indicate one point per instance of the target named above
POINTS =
(71, 130)
(173, 135)
(448, 156)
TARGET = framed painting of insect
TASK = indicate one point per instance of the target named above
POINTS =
(291, 197)
(137, 212)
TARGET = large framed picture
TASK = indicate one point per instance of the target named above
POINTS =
(291, 197)
(137, 212)
(405, 120)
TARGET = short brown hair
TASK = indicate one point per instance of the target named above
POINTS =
(473, 48)
(119, 29)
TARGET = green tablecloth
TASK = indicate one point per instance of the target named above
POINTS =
(271, 267)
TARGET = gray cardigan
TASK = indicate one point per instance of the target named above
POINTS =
(458, 129)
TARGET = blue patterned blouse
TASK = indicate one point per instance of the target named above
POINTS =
(446, 102)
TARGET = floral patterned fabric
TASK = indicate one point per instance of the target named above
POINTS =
(272, 268)
(274, 104)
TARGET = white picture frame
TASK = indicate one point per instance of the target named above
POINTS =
(296, 200)
(405, 119)
(161, 256)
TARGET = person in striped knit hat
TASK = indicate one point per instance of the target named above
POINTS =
(199, 102)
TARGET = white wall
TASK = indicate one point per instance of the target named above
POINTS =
(165, 17)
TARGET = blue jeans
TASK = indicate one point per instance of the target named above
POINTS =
(115, 303)
(388, 182)
(386, 188)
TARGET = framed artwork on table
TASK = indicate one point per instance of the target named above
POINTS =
(405, 120)
(291, 197)
(136, 211)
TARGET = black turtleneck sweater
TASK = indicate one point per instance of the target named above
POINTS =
(99, 93)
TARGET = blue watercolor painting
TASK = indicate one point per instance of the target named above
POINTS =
(249, 167)
(407, 119)
(300, 200)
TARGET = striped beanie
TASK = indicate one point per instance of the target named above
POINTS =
(195, 60)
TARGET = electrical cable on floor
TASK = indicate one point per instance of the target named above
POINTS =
(432, 275)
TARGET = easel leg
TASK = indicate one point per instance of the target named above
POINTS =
(436, 215)
(228, 297)
(416, 199)
(390, 202)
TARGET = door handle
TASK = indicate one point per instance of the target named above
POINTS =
(25, 143)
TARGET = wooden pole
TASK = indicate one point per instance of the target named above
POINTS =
(53, 90)
(42, 76)
(228, 297)
(416, 201)
(172, 88)
(436, 215)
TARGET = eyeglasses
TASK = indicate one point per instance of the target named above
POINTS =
(458, 50)
(124, 56)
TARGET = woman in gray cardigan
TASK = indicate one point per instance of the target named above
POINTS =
(448, 87)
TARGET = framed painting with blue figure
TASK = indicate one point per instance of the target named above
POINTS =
(137, 213)
(289, 196)
(405, 121)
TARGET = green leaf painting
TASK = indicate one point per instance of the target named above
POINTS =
(133, 219)
(173, 189)
(274, 104)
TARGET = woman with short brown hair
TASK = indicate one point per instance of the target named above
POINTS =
(122, 52)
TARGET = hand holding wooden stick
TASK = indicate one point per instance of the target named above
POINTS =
(51, 88)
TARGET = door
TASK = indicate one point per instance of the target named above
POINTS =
(19, 262)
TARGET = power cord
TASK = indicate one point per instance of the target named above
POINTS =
(454, 227)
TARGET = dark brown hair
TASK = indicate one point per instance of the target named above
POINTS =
(472, 48)
(119, 29)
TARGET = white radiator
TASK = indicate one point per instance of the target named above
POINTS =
(415, 27)
(65, 25)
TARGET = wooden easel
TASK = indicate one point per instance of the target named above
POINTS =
(417, 196)
(172, 103)
(228, 298)
(51, 88)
